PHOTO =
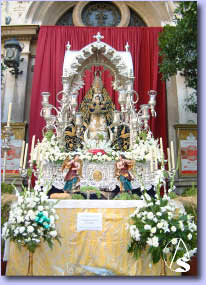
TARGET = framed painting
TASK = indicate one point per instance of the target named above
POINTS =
(14, 153)
(186, 136)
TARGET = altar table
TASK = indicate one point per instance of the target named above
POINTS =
(87, 253)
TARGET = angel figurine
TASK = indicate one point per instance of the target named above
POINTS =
(122, 172)
(73, 174)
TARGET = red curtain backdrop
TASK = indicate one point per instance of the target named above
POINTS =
(143, 42)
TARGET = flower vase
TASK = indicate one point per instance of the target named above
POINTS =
(30, 265)
(163, 267)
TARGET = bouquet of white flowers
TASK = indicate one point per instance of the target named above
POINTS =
(159, 226)
(32, 219)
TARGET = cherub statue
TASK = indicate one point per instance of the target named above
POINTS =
(122, 172)
(73, 174)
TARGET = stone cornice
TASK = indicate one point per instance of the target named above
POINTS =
(21, 32)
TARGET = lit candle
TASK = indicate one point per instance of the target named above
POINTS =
(25, 156)
(22, 154)
(168, 159)
(32, 148)
(9, 114)
(172, 155)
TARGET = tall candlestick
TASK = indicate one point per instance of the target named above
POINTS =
(32, 148)
(25, 156)
(168, 159)
(172, 155)
(22, 154)
(9, 114)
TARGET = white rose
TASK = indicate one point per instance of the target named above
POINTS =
(21, 230)
(30, 229)
(53, 234)
(40, 208)
(153, 230)
(173, 229)
(174, 241)
(150, 215)
(147, 227)
(189, 236)
(160, 225)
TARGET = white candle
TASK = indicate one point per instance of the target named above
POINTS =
(172, 155)
(9, 114)
(37, 157)
(32, 148)
(168, 159)
(162, 151)
(22, 154)
(25, 156)
(155, 157)
(151, 162)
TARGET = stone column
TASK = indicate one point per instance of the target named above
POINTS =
(14, 89)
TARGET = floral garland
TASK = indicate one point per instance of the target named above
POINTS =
(32, 219)
(51, 151)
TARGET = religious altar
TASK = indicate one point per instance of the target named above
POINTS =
(87, 252)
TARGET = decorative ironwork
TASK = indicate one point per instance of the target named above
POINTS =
(101, 14)
(66, 19)
(135, 19)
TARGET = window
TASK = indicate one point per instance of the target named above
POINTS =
(101, 14)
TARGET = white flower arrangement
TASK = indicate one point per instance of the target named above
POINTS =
(160, 223)
(50, 150)
(24, 227)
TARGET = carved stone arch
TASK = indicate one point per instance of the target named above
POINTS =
(47, 12)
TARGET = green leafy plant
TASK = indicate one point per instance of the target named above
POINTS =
(126, 196)
(178, 48)
(91, 189)
(6, 192)
(192, 191)
(49, 134)
(77, 197)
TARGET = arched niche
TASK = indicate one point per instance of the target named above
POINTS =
(98, 53)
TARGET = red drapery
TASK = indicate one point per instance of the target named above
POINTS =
(143, 42)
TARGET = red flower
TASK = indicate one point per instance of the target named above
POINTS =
(96, 150)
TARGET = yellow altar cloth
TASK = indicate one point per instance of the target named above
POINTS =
(87, 253)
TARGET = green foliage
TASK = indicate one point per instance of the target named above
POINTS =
(77, 197)
(178, 48)
(127, 196)
(6, 188)
(91, 189)
(49, 135)
(192, 191)
(5, 207)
